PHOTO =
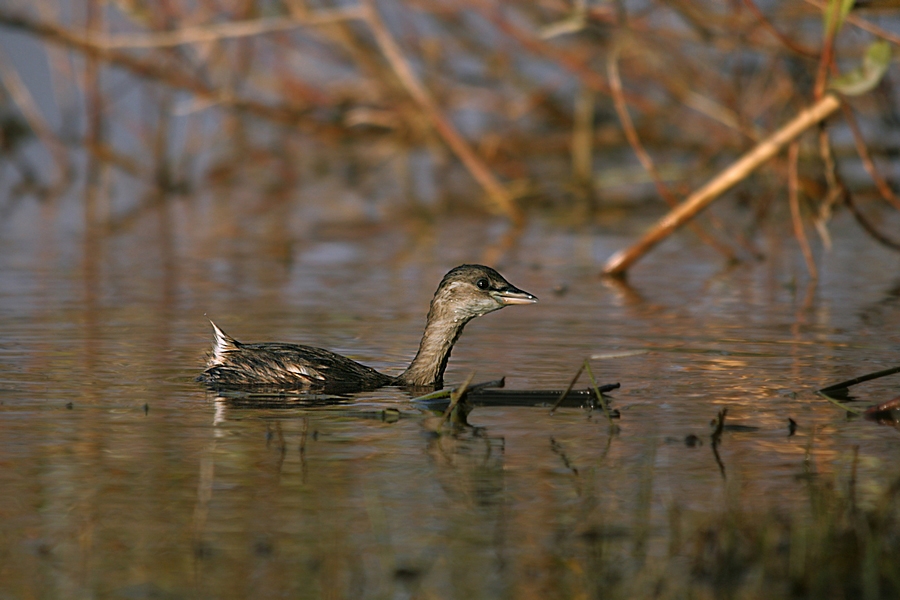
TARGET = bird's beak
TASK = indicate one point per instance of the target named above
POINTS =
(513, 295)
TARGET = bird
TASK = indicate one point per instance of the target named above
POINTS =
(465, 292)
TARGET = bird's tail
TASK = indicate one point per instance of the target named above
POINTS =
(223, 344)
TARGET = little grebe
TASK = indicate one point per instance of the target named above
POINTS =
(466, 292)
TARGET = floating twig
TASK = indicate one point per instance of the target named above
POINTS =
(455, 396)
(447, 392)
(840, 404)
(568, 388)
(600, 397)
(843, 385)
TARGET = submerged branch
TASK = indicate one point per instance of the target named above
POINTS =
(843, 385)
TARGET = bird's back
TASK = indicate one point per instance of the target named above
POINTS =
(233, 363)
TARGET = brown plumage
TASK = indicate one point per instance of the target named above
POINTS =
(466, 292)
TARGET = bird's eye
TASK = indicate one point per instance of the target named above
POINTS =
(483, 283)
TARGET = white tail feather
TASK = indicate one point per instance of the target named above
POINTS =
(224, 343)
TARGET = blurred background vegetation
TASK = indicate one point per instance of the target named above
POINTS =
(370, 111)
(300, 117)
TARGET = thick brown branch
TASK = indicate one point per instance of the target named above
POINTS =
(615, 85)
(696, 202)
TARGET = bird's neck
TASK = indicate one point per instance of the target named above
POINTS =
(441, 332)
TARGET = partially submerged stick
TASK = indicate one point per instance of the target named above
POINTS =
(600, 397)
(447, 392)
(868, 377)
(455, 396)
(598, 392)
(696, 202)
(568, 388)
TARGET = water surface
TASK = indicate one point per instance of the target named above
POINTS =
(122, 477)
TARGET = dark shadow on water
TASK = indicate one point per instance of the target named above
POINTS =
(300, 398)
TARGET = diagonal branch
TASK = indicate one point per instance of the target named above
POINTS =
(222, 31)
(154, 70)
(615, 86)
(499, 197)
(696, 202)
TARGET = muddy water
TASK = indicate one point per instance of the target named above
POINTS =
(121, 477)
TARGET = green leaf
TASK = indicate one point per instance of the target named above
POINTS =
(837, 9)
(867, 75)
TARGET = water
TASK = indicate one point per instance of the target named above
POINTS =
(123, 478)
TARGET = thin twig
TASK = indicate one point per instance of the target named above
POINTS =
(455, 396)
(600, 397)
(568, 388)
(696, 202)
(785, 40)
(498, 196)
(886, 192)
(570, 61)
(796, 218)
(716, 439)
(841, 405)
(867, 377)
(870, 229)
(615, 86)
(153, 69)
(224, 31)
(583, 139)
(24, 101)
(861, 23)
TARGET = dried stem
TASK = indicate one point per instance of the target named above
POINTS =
(883, 188)
(861, 23)
(785, 40)
(827, 56)
(497, 194)
(794, 200)
(18, 91)
(870, 229)
(615, 85)
(156, 70)
(224, 31)
(696, 202)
